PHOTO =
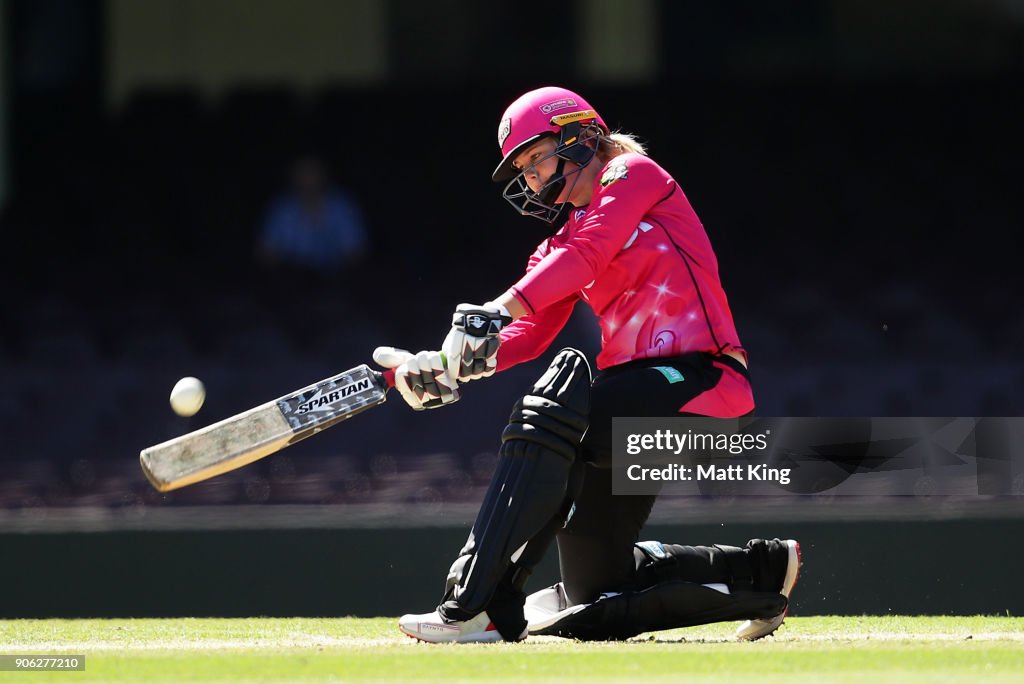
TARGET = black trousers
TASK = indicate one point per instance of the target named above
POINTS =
(595, 547)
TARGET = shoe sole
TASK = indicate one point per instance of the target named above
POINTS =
(488, 637)
(752, 630)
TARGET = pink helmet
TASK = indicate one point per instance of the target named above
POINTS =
(540, 112)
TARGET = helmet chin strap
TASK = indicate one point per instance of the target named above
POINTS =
(579, 153)
(553, 188)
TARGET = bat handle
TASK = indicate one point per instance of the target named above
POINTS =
(389, 378)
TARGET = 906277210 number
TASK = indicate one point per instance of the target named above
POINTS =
(9, 663)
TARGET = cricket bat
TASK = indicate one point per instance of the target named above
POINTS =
(264, 430)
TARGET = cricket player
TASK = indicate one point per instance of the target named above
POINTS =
(631, 247)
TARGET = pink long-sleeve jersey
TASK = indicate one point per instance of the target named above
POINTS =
(639, 256)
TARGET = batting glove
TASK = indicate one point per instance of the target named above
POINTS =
(472, 344)
(422, 379)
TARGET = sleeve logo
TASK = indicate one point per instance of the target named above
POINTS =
(616, 170)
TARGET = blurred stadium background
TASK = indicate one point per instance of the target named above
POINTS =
(857, 163)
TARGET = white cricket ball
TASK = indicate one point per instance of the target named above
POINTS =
(188, 396)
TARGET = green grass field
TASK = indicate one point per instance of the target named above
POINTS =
(818, 649)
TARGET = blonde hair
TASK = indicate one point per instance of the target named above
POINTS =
(617, 142)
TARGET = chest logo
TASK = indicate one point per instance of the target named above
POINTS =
(616, 170)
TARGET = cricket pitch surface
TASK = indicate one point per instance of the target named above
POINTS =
(812, 649)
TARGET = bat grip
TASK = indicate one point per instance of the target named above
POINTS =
(389, 378)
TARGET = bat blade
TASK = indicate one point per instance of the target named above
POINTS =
(263, 430)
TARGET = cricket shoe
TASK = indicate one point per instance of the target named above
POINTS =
(434, 629)
(756, 629)
(547, 607)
